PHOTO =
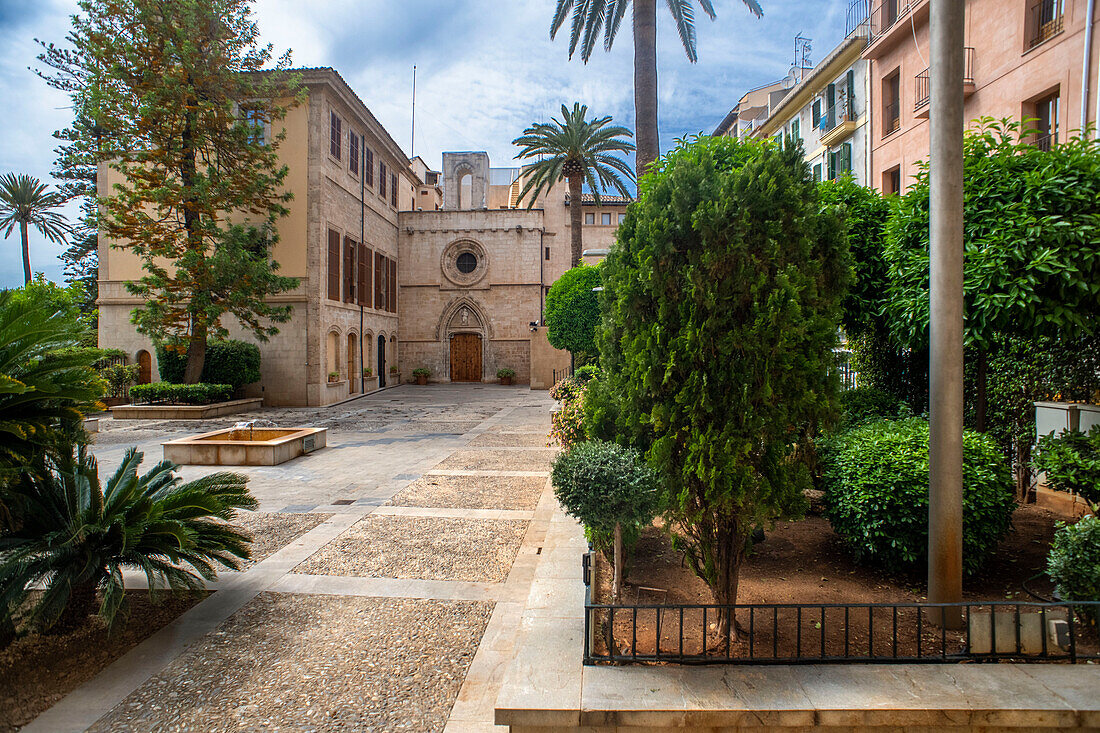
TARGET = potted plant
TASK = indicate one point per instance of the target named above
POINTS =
(422, 374)
(333, 377)
(368, 373)
(506, 375)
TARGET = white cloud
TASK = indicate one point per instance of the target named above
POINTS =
(485, 70)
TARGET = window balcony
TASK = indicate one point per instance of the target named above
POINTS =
(837, 123)
(923, 87)
(1047, 20)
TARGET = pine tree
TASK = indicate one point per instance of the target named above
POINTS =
(175, 99)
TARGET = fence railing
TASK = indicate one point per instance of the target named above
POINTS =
(924, 90)
(1046, 141)
(854, 633)
(1047, 21)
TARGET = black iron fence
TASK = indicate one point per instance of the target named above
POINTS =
(923, 87)
(1047, 20)
(812, 633)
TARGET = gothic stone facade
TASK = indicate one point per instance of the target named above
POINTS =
(387, 279)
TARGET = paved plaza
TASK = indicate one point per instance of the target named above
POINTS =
(391, 572)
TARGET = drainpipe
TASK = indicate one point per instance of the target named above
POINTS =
(362, 234)
(542, 275)
(1086, 62)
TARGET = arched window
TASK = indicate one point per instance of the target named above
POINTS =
(332, 355)
(353, 359)
(465, 190)
(145, 367)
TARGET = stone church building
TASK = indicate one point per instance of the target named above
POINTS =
(400, 266)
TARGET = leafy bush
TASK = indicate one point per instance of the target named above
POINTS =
(150, 523)
(567, 423)
(876, 493)
(1072, 462)
(573, 311)
(506, 373)
(422, 372)
(180, 394)
(865, 404)
(586, 373)
(606, 487)
(567, 389)
(119, 377)
(235, 363)
(1074, 560)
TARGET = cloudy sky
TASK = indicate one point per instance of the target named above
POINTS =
(485, 70)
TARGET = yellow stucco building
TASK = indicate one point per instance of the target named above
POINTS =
(400, 266)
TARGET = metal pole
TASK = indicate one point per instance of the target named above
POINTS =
(946, 313)
(412, 135)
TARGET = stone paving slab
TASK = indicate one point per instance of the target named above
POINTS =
(272, 532)
(475, 492)
(509, 439)
(529, 459)
(320, 663)
(430, 548)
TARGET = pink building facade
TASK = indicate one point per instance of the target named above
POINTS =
(1024, 59)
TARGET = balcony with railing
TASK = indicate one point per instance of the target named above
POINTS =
(1047, 20)
(924, 91)
(888, 22)
(1046, 141)
(837, 123)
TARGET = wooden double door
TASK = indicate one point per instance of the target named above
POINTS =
(465, 357)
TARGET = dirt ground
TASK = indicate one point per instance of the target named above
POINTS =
(805, 562)
(38, 670)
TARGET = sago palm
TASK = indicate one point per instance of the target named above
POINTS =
(27, 202)
(76, 537)
(42, 382)
(579, 151)
(589, 19)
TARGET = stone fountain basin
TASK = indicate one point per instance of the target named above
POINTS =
(245, 446)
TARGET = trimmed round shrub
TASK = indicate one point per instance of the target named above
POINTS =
(603, 484)
(1072, 462)
(876, 493)
(866, 404)
(586, 373)
(235, 363)
(1073, 564)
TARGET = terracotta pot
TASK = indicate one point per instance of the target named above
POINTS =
(421, 379)
(506, 381)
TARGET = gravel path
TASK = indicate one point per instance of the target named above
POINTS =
(535, 459)
(472, 492)
(272, 532)
(427, 548)
(288, 662)
(500, 439)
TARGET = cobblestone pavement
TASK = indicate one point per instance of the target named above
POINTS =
(391, 572)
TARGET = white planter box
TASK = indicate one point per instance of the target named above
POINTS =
(1057, 417)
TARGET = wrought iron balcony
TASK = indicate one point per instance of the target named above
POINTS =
(837, 123)
(1047, 21)
(923, 86)
(1046, 141)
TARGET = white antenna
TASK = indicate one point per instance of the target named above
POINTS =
(412, 137)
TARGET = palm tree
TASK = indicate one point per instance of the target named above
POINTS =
(77, 536)
(580, 151)
(590, 17)
(26, 201)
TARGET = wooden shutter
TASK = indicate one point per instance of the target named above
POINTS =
(333, 265)
(393, 286)
(846, 158)
(368, 166)
(382, 179)
(817, 112)
(851, 101)
(349, 270)
(832, 166)
(363, 275)
(393, 189)
(353, 152)
(336, 139)
(379, 286)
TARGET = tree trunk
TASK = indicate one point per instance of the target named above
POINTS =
(645, 83)
(196, 354)
(576, 217)
(981, 403)
(26, 253)
(729, 553)
(617, 581)
(82, 604)
(1023, 470)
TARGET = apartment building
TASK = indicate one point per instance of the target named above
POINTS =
(1024, 59)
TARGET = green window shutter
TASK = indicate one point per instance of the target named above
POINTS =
(851, 94)
(846, 158)
(796, 132)
(832, 166)
(817, 173)
(817, 112)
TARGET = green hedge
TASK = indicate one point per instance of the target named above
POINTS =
(876, 493)
(866, 404)
(235, 363)
(180, 394)
(1074, 561)
(1072, 462)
